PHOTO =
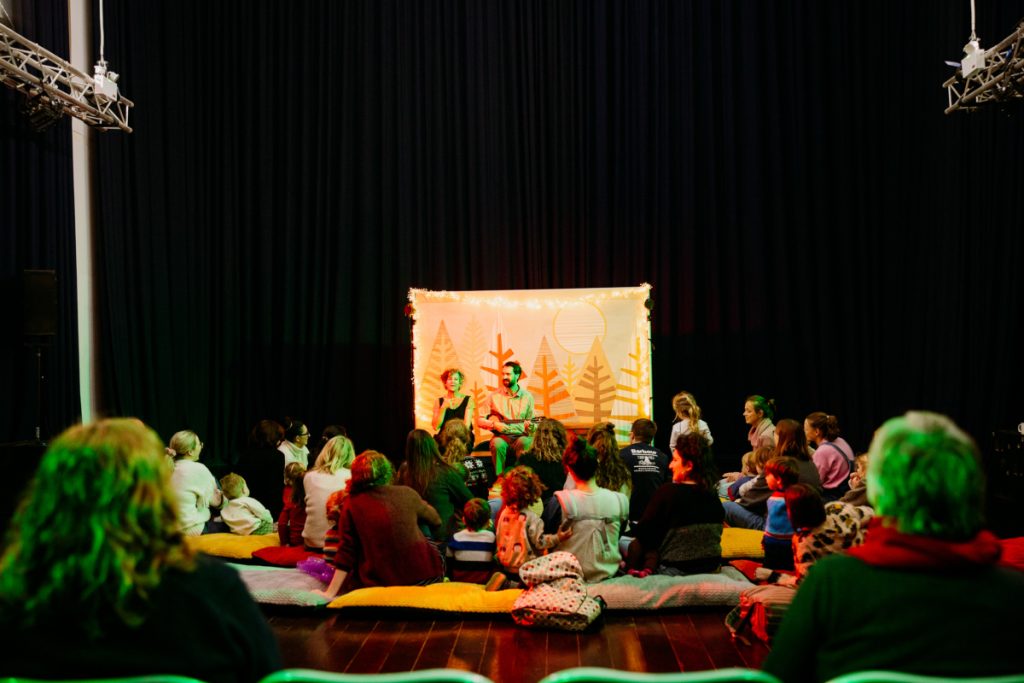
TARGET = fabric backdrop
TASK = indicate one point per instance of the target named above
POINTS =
(814, 227)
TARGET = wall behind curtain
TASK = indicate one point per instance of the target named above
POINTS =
(781, 173)
(37, 232)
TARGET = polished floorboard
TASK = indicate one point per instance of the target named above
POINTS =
(690, 640)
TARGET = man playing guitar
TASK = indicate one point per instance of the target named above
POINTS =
(509, 415)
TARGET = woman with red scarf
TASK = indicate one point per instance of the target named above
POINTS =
(924, 594)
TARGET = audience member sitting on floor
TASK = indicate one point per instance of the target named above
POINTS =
(594, 514)
(456, 445)
(687, 419)
(471, 550)
(749, 509)
(758, 412)
(96, 581)
(648, 466)
(924, 593)
(612, 473)
(329, 474)
(821, 530)
(329, 432)
(292, 519)
(734, 484)
(243, 514)
(437, 482)
(681, 529)
(544, 456)
(833, 456)
(519, 531)
(780, 473)
(260, 464)
(294, 448)
(379, 537)
(193, 485)
(858, 493)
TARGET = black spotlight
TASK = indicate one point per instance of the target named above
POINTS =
(42, 111)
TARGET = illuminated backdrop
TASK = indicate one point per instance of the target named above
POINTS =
(585, 353)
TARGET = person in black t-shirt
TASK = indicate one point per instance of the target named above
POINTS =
(648, 466)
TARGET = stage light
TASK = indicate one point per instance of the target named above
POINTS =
(48, 81)
(986, 77)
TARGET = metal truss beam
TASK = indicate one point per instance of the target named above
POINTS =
(1001, 79)
(36, 72)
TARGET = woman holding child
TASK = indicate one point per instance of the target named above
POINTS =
(440, 484)
(749, 510)
(120, 587)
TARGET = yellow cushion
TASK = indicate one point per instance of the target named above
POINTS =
(230, 545)
(447, 597)
(741, 543)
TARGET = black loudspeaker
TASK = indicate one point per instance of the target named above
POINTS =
(39, 298)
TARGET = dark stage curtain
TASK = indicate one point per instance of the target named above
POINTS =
(815, 228)
(37, 232)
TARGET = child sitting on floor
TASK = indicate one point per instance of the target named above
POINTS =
(471, 550)
(753, 467)
(858, 493)
(244, 515)
(821, 530)
(293, 515)
(520, 532)
(780, 473)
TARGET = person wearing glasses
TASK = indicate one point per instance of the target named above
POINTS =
(294, 448)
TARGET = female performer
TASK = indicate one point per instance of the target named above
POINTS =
(454, 404)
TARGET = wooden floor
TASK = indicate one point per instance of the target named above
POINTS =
(506, 653)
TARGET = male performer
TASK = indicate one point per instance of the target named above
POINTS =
(508, 416)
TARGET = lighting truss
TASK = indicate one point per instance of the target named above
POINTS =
(1000, 80)
(39, 74)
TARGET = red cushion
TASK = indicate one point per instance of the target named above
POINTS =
(283, 556)
(1013, 553)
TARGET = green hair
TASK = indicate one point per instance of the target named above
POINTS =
(97, 527)
(924, 472)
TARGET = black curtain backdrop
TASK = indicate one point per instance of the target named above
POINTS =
(815, 228)
(37, 232)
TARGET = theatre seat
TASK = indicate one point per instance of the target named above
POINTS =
(424, 676)
(897, 677)
(589, 674)
(153, 678)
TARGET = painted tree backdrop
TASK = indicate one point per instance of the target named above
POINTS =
(585, 353)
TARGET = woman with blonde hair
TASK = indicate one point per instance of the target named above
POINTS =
(97, 533)
(193, 484)
(687, 419)
(329, 474)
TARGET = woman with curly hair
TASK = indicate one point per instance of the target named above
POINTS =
(437, 482)
(681, 529)
(612, 472)
(379, 537)
(455, 443)
(545, 456)
(97, 534)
